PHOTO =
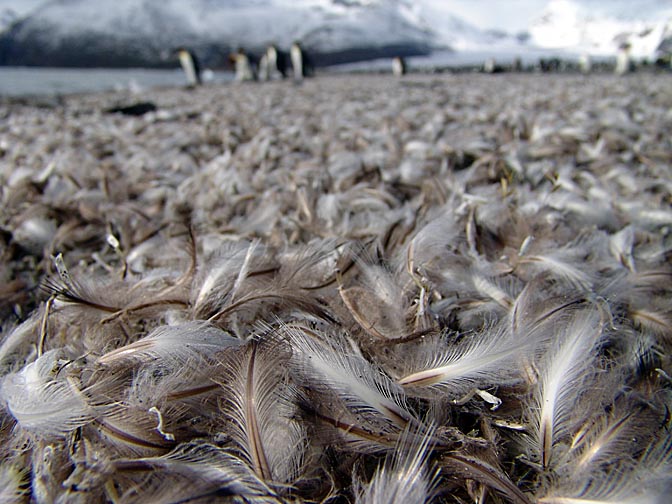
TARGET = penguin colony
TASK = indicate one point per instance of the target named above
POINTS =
(449, 289)
(272, 65)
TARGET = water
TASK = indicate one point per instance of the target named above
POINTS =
(466, 58)
(27, 81)
(31, 81)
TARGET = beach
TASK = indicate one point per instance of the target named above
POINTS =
(275, 290)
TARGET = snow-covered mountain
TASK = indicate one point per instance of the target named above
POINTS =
(139, 31)
(12, 11)
(600, 27)
(142, 32)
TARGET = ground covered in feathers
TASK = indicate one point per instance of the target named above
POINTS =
(359, 289)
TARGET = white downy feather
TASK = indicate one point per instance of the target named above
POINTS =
(45, 400)
(647, 481)
(333, 368)
(560, 264)
(176, 344)
(604, 440)
(20, 336)
(487, 358)
(621, 246)
(565, 367)
(222, 278)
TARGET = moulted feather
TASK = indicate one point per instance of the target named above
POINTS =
(566, 365)
(220, 279)
(44, 399)
(354, 404)
(13, 484)
(173, 344)
(261, 406)
(19, 338)
(195, 470)
(646, 481)
(491, 357)
(330, 364)
(406, 475)
(473, 468)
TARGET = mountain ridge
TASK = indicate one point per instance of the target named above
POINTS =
(70, 32)
(122, 33)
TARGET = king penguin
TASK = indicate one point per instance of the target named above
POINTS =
(244, 67)
(398, 66)
(585, 64)
(624, 62)
(301, 65)
(190, 65)
(276, 62)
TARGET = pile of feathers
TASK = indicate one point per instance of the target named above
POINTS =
(438, 289)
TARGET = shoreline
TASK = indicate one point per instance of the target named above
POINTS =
(19, 83)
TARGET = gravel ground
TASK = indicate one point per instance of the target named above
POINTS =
(450, 288)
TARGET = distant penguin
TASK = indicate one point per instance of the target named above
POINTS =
(263, 71)
(301, 64)
(623, 62)
(243, 66)
(276, 63)
(585, 63)
(190, 65)
(398, 66)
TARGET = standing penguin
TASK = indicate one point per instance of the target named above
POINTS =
(263, 71)
(301, 64)
(624, 63)
(276, 62)
(398, 66)
(585, 63)
(190, 65)
(243, 66)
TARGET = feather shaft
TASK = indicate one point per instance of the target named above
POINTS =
(260, 461)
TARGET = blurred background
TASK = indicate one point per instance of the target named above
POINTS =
(130, 43)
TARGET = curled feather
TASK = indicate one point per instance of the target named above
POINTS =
(44, 399)
(196, 470)
(473, 468)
